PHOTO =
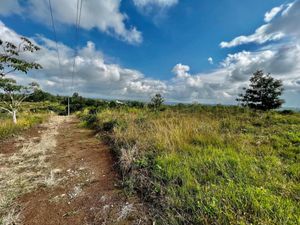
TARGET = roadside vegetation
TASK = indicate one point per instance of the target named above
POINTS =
(208, 164)
(8, 128)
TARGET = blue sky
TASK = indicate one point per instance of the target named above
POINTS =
(149, 46)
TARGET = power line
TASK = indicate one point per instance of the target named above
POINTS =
(56, 43)
(77, 25)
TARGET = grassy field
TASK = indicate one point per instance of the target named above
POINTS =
(26, 120)
(29, 115)
(208, 165)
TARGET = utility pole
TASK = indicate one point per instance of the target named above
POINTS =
(68, 106)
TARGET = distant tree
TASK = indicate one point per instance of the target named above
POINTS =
(156, 101)
(11, 60)
(135, 104)
(39, 96)
(77, 102)
(14, 95)
(263, 93)
(75, 95)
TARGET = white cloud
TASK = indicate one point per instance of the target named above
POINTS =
(101, 14)
(181, 71)
(285, 25)
(272, 13)
(210, 60)
(260, 36)
(159, 3)
(95, 77)
(225, 83)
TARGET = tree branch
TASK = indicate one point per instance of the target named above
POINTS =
(5, 109)
(5, 73)
(21, 100)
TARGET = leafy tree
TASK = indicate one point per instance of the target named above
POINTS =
(11, 60)
(40, 96)
(10, 57)
(156, 101)
(14, 95)
(263, 93)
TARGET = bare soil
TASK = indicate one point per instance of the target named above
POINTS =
(82, 186)
(11, 145)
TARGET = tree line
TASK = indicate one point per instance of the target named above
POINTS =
(263, 92)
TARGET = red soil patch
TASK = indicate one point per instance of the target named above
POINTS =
(13, 144)
(89, 193)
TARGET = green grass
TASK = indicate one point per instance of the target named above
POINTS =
(29, 115)
(25, 121)
(209, 165)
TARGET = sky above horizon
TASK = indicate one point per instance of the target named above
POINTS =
(190, 51)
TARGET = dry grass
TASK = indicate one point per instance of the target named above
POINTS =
(27, 169)
(210, 165)
(25, 121)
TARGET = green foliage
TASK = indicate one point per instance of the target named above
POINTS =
(10, 56)
(78, 103)
(14, 95)
(263, 93)
(156, 102)
(210, 164)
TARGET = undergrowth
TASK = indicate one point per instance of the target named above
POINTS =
(30, 114)
(208, 164)
(25, 121)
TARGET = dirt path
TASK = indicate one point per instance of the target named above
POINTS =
(67, 177)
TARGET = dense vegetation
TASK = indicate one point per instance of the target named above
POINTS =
(208, 164)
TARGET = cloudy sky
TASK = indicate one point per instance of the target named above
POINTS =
(203, 51)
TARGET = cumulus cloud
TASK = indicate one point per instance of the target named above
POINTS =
(210, 60)
(181, 71)
(277, 27)
(101, 14)
(226, 82)
(95, 77)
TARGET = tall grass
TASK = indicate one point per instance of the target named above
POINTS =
(25, 120)
(30, 114)
(210, 165)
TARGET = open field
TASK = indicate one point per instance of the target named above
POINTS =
(30, 114)
(208, 165)
(27, 120)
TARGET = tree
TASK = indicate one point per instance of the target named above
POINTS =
(263, 93)
(10, 61)
(14, 95)
(156, 101)
(10, 57)
(40, 96)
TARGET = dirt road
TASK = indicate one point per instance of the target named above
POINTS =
(62, 174)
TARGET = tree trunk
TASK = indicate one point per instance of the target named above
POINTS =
(14, 115)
